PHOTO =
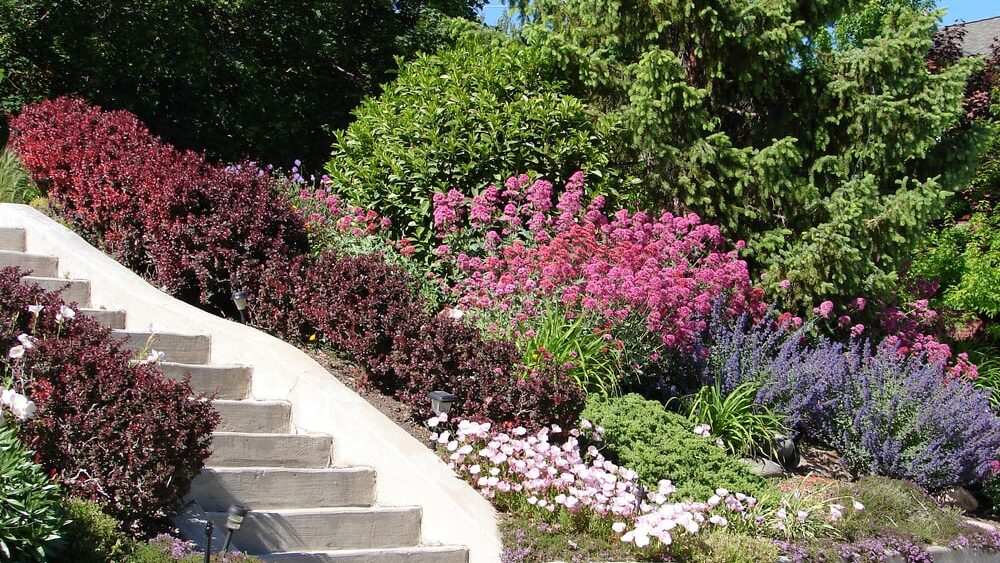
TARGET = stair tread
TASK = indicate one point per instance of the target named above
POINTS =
(40, 265)
(325, 510)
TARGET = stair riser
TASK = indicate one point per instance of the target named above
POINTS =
(269, 532)
(42, 266)
(414, 555)
(109, 319)
(227, 382)
(269, 488)
(270, 450)
(179, 348)
(71, 291)
(12, 239)
(254, 416)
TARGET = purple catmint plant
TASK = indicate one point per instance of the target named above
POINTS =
(886, 412)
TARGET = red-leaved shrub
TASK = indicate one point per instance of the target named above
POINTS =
(197, 228)
(368, 309)
(202, 230)
(106, 428)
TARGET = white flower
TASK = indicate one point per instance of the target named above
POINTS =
(858, 506)
(432, 423)
(618, 527)
(35, 309)
(65, 313)
(22, 407)
(703, 430)
(7, 396)
(455, 314)
(154, 357)
(16, 352)
(26, 341)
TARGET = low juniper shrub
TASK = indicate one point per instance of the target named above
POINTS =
(31, 518)
(108, 428)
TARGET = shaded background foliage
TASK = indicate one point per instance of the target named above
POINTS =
(265, 79)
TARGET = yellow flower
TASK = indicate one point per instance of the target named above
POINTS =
(312, 337)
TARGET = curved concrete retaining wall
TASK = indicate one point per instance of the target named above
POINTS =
(407, 472)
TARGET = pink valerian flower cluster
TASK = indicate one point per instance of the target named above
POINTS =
(910, 330)
(668, 270)
(516, 468)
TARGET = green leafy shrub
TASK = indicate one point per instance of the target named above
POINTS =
(31, 519)
(264, 79)
(92, 536)
(965, 260)
(15, 182)
(461, 119)
(658, 444)
(743, 426)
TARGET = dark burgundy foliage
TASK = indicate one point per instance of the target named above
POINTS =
(367, 309)
(197, 228)
(202, 230)
(107, 430)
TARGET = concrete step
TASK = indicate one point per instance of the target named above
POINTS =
(244, 449)
(257, 488)
(107, 318)
(429, 554)
(12, 238)
(263, 417)
(71, 291)
(36, 264)
(181, 348)
(322, 529)
(227, 381)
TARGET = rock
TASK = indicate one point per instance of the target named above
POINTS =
(787, 452)
(764, 467)
(962, 498)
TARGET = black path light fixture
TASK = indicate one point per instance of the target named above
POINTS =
(240, 300)
(640, 496)
(208, 540)
(234, 520)
(441, 402)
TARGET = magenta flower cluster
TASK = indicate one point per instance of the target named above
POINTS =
(524, 245)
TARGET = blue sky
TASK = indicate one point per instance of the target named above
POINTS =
(967, 10)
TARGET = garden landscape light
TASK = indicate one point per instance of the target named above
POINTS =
(234, 520)
(208, 541)
(240, 299)
(441, 401)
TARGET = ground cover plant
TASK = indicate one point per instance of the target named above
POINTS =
(104, 427)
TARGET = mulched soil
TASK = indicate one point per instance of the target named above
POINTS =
(821, 462)
(350, 375)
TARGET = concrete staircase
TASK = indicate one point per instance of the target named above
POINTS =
(301, 508)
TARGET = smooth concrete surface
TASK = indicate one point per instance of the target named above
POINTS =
(107, 318)
(71, 290)
(408, 473)
(187, 348)
(12, 239)
(224, 381)
(246, 449)
(318, 529)
(34, 264)
(254, 416)
(443, 554)
(216, 488)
